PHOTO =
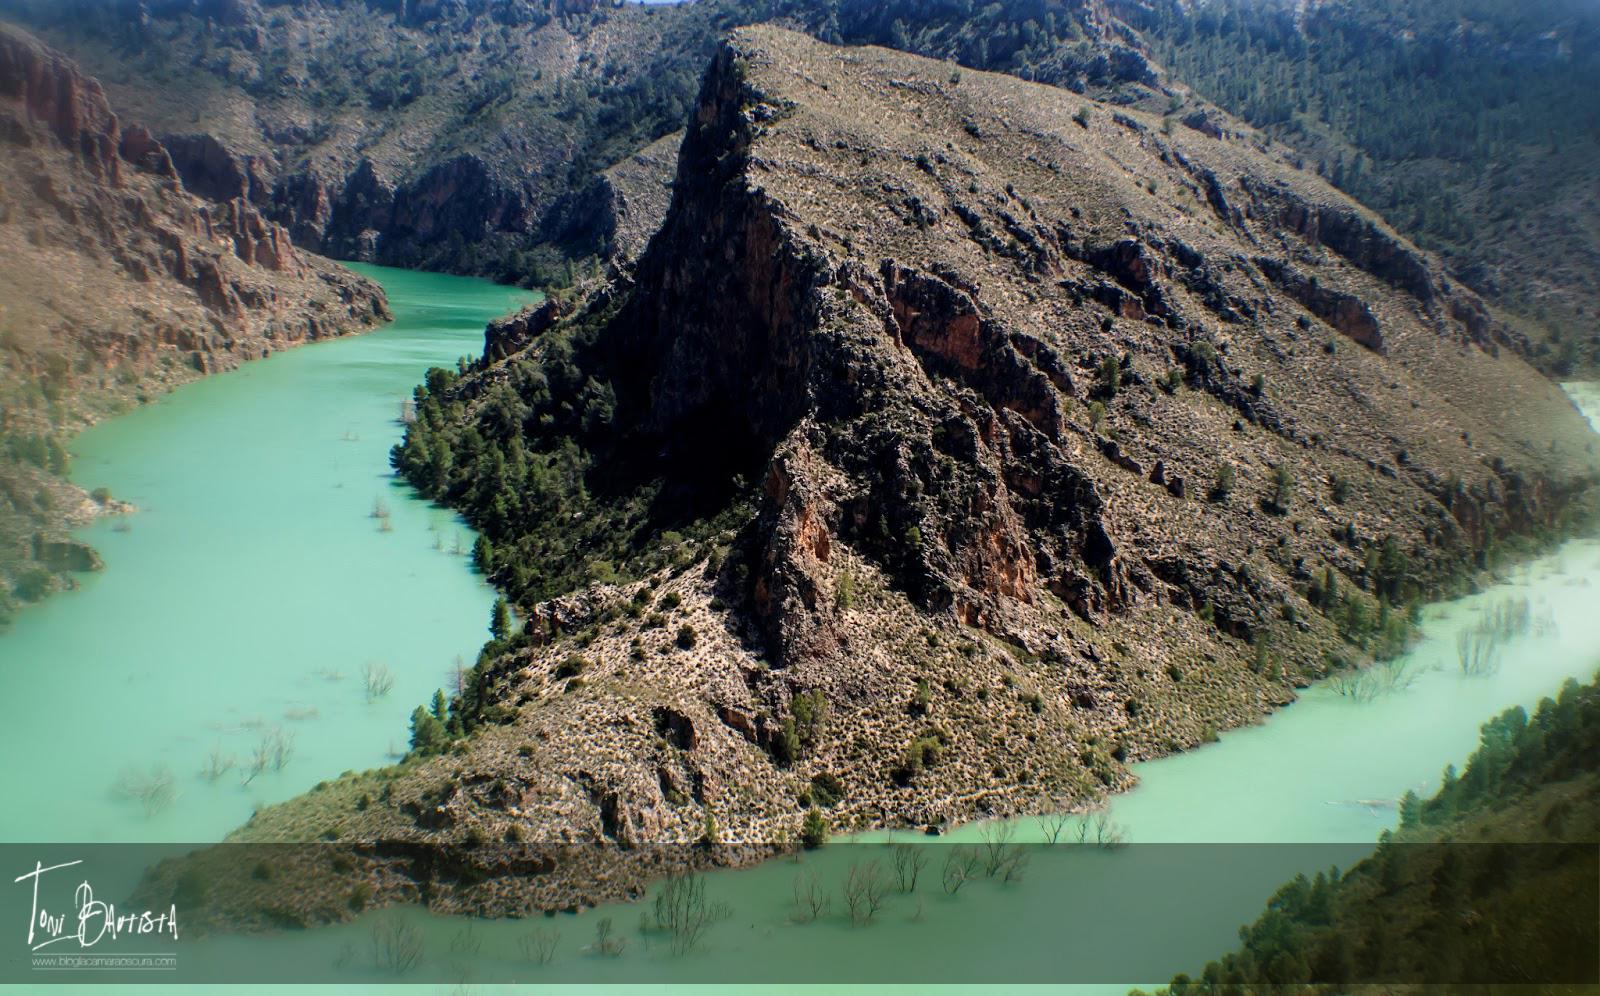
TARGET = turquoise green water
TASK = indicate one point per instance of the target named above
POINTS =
(1212, 834)
(249, 591)
(255, 567)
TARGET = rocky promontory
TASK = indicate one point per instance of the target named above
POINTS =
(954, 443)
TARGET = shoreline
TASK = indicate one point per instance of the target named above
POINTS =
(514, 880)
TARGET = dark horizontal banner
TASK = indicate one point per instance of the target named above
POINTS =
(920, 911)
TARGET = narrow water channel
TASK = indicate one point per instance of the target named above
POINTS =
(246, 598)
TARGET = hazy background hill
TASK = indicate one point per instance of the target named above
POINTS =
(1473, 125)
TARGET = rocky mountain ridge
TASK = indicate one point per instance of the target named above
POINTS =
(117, 284)
(470, 137)
(961, 440)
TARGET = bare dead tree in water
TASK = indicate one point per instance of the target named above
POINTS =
(811, 900)
(684, 912)
(909, 860)
(153, 789)
(539, 946)
(466, 941)
(217, 764)
(605, 944)
(864, 892)
(396, 945)
(1478, 653)
(996, 845)
(1053, 825)
(280, 747)
(272, 753)
(959, 866)
(1107, 832)
(377, 680)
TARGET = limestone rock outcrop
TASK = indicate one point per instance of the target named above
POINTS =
(118, 282)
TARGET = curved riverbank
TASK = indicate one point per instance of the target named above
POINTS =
(242, 603)
(1211, 835)
(1212, 832)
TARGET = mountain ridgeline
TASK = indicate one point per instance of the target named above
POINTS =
(956, 441)
(1473, 126)
(470, 136)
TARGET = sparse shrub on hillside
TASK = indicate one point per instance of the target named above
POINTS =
(921, 698)
(1280, 496)
(924, 752)
(1222, 483)
(814, 829)
(1108, 376)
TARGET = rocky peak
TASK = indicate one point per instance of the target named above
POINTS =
(863, 240)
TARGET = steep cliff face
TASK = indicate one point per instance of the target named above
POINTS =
(117, 282)
(1022, 437)
(445, 136)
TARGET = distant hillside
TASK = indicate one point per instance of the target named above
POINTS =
(468, 136)
(443, 136)
(115, 284)
(464, 136)
(1472, 125)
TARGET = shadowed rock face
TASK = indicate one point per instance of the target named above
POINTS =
(981, 349)
(829, 263)
(117, 282)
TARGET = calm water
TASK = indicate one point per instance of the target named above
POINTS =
(1212, 834)
(265, 564)
(249, 591)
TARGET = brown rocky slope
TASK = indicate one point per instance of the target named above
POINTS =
(116, 283)
(982, 349)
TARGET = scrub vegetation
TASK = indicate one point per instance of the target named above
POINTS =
(1492, 879)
